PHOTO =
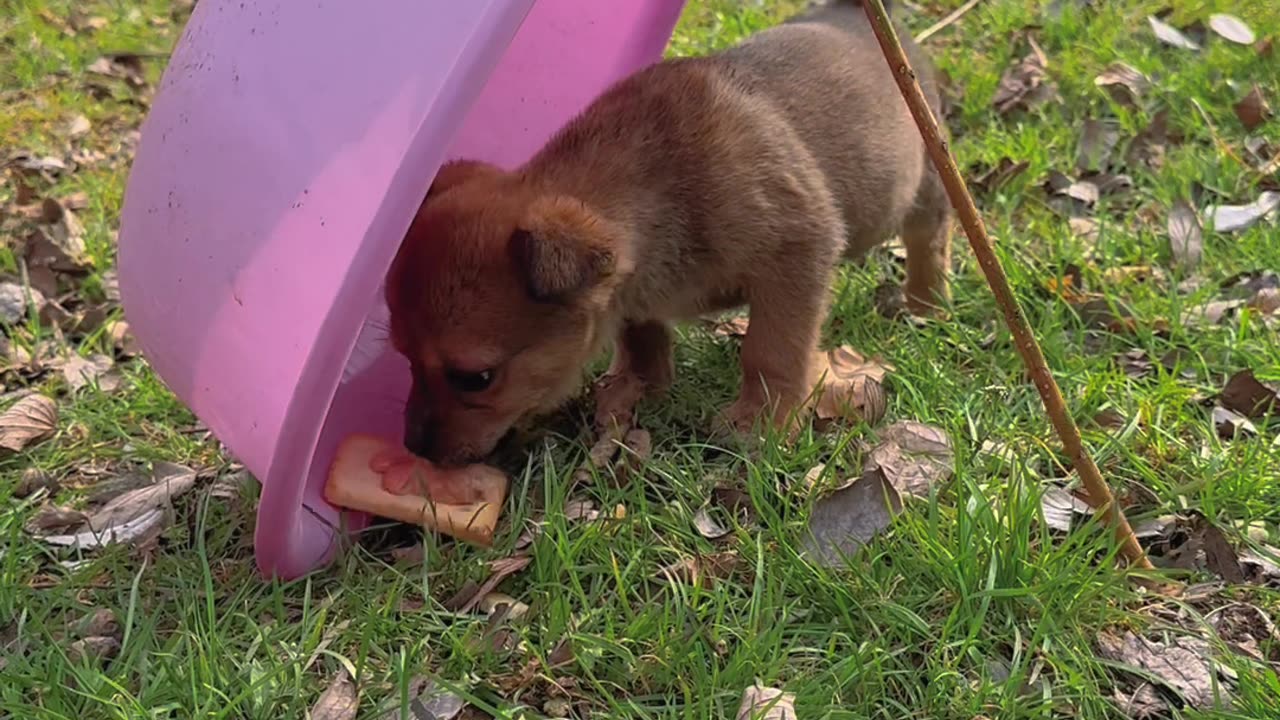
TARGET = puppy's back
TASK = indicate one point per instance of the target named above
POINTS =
(826, 75)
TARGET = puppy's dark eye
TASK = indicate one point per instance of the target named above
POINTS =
(469, 382)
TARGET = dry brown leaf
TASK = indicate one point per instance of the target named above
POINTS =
(1125, 83)
(913, 456)
(1186, 238)
(1245, 628)
(1147, 148)
(339, 701)
(996, 176)
(1110, 419)
(80, 371)
(707, 526)
(495, 602)
(1098, 138)
(124, 66)
(1230, 27)
(889, 300)
(1060, 506)
(126, 346)
(30, 420)
(1220, 554)
(1144, 703)
(1213, 312)
(93, 649)
(53, 518)
(701, 569)
(1231, 218)
(16, 301)
(1182, 664)
(851, 386)
(1025, 85)
(846, 519)
(766, 703)
(1265, 302)
(34, 480)
(1169, 35)
(78, 127)
(133, 517)
(101, 622)
(499, 570)
(429, 701)
(1231, 425)
(1246, 395)
(1084, 228)
(1252, 109)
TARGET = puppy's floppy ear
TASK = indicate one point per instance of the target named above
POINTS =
(561, 249)
(456, 172)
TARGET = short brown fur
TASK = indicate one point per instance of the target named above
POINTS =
(691, 187)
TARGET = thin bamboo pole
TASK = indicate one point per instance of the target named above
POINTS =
(1099, 493)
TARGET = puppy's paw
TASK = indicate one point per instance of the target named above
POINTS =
(616, 400)
(747, 421)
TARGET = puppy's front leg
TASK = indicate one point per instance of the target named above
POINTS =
(642, 363)
(787, 309)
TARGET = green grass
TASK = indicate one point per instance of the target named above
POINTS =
(967, 608)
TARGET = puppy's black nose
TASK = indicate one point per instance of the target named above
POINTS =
(419, 433)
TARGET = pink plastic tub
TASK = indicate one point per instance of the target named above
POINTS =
(288, 148)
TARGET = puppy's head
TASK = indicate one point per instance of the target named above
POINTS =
(498, 298)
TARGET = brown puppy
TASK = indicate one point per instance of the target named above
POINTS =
(693, 186)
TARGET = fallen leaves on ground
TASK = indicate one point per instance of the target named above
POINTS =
(701, 570)
(986, 180)
(1147, 148)
(16, 300)
(1169, 35)
(122, 66)
(1248, 396)
(1025, 85)
(1124, 83)
(1182, 664)
(707, 525)
(496, 602)
(727, 505)
(499, 570)
(1232, 28)
(79, 371)
(913, 456)
(851, 386)
(1186, 238)
(428, 700)
(93, 649)
(1233, 218)
(29, 421)
(1098, 139)
(1252, 109)
(1060, 507)
(132, 517)
(846, 519)
(1231, 425)
(339, 701)
(766, 703)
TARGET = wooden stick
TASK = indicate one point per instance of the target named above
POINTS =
(1099, 493)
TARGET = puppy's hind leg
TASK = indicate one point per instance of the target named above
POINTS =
(926, 233)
